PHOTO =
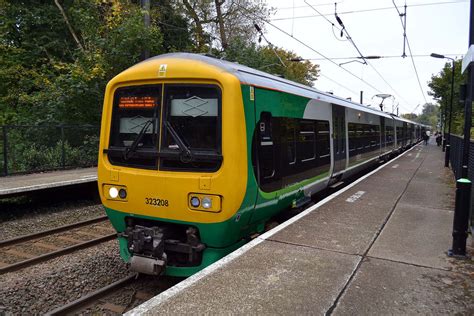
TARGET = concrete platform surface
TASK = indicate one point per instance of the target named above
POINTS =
(45, 180)
(378, 247)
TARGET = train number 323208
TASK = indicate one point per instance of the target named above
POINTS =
(156, 202)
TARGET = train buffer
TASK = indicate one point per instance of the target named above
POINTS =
(22, 184)
(377, 247)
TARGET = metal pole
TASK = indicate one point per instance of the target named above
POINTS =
(448, 141)
(146, 21)
(444, 125)
(361, 97)
(63, 148)
(5, 151)
(463, 185)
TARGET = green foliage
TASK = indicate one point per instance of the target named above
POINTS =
(46, 77)
(265, 58)
(56, 57)
(33, 148)
(410, 116)
(440, 86)
(429, 115)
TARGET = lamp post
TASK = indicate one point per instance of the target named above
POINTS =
(447, 142)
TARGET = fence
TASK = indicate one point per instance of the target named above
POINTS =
(455, 158)
(31, 148)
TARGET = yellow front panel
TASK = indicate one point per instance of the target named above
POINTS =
(170, 189)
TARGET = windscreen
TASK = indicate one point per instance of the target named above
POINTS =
(192, 127)
(135, 126)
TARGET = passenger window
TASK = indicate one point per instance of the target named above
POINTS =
(307, 142)
(322, 142)
(291, 145)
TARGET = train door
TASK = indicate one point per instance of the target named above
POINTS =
(265, 156)
(265, 149)
(339, 138)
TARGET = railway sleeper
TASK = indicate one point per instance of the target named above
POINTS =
(153, 248)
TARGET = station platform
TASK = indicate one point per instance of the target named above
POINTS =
(376, 247)
(19, 184)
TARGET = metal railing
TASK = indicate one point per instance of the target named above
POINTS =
(455, 158)
(36, 148)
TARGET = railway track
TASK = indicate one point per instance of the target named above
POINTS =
(90, 298)
(118, 297)
(27, 250)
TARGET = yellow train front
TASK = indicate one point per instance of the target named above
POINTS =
(173, 165)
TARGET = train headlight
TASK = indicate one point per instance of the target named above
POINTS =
(113, 192)
(122, 193)
(206, 203)
(195, 201)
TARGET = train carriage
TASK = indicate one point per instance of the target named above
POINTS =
(197, 154)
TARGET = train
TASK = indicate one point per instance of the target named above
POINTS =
(197, 154)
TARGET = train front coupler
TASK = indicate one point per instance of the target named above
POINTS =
(152, 248)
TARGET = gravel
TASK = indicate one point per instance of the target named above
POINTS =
(44, 287)
(43, 218)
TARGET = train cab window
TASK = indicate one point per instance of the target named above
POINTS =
(191, 128)
(135, 126)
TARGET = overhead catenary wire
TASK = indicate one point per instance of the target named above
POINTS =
(322, 75)
(309, 47)
(338, 83)
(380, 57)
(361, 56)
(411, 57)
(332, 24)
(259, 30)
(326, 58)
(349, 38)
(369, 10)
(303, 6)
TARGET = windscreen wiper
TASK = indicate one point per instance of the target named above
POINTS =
(133, 147)
(186, 154)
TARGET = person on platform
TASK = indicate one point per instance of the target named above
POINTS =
(426, 138)
(439, 139)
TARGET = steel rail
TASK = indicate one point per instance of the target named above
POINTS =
(50, 255)
(24, 238)
(87, 299)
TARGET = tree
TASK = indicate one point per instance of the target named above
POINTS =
(429, 115)
(410, 116)
(218, 23)
(440, 86)
(56, 58)
(265, 58)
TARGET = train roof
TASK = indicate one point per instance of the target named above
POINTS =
(254, 77)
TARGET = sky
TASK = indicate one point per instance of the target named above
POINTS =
(432, 26)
